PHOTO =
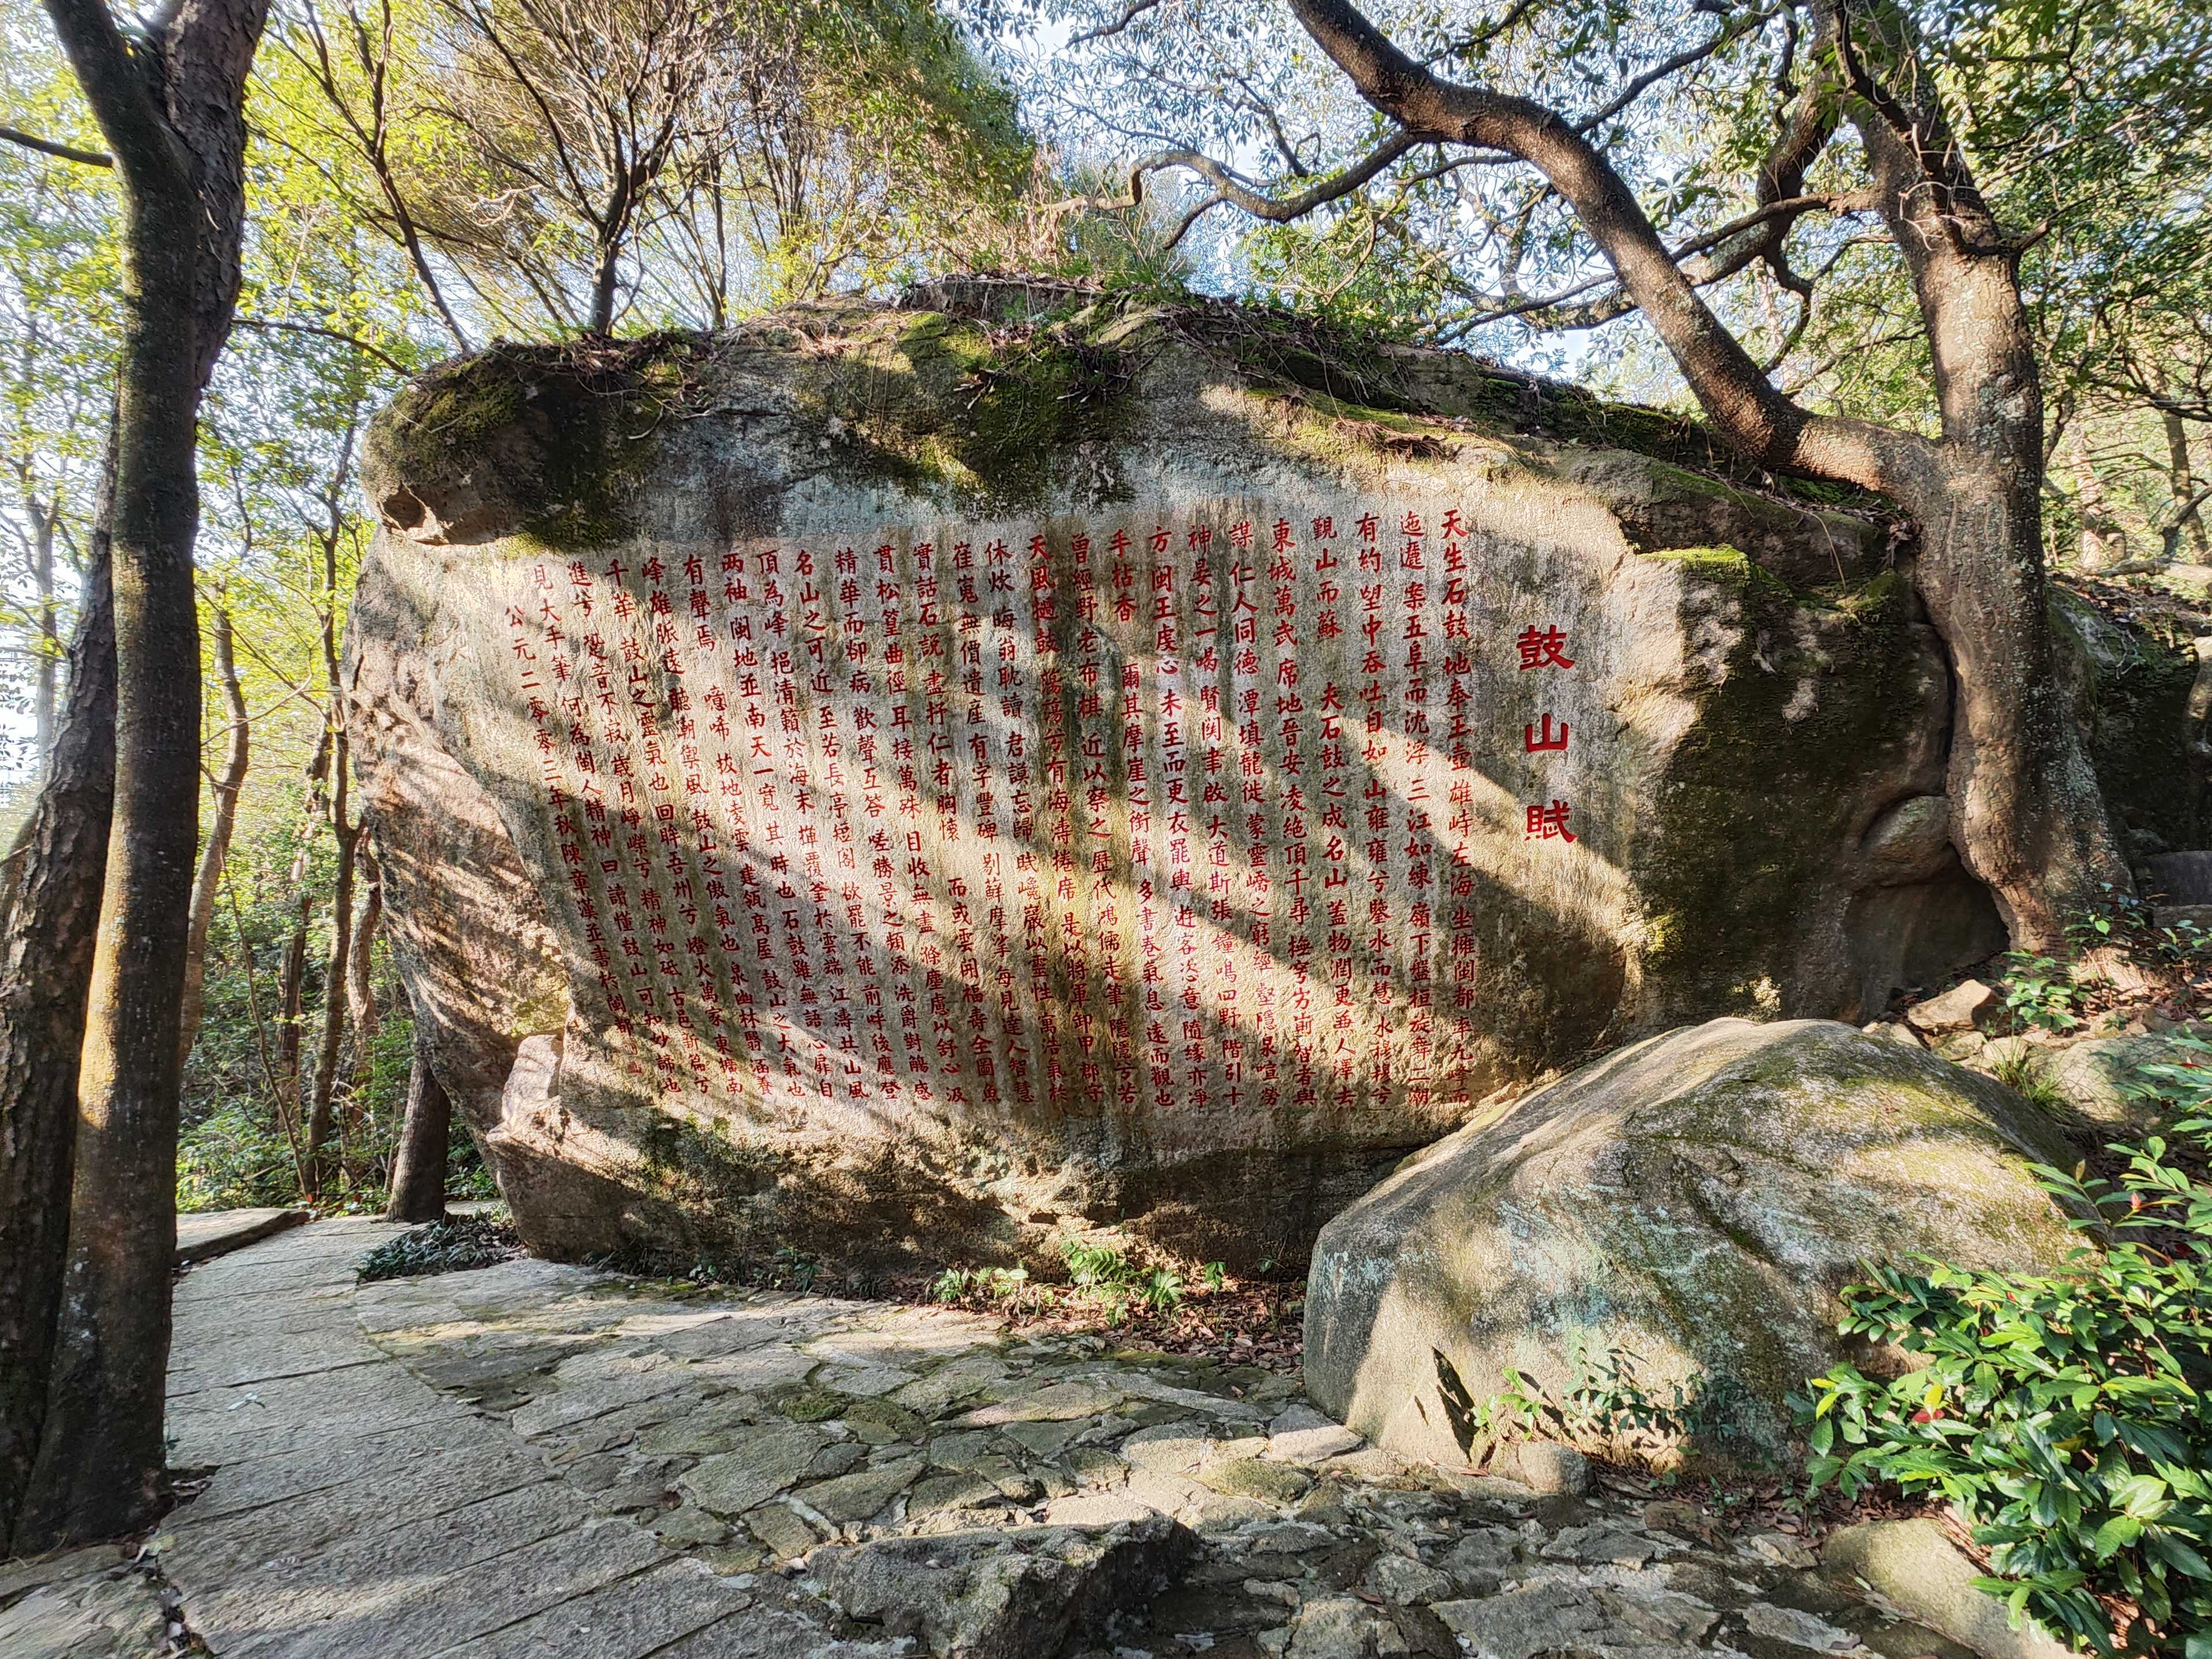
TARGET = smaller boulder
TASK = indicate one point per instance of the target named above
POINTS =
(1006, 1594)
(1912, 1566)
(1692, 1204)
(1964, 1007)
(2102, 1078)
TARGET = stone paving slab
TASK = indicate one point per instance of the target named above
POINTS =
(534, 1461)
(206, 1233)
(91, 1603)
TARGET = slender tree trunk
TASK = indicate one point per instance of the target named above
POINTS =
(361, 958)
(212, 857)
(2103, 541)
(320, 1116)
(418, 1174)
(2184, 479)
(45, 969)
(46, 688)
(291, 978)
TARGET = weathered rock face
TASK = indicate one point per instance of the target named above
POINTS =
(875, 782)
(1696, 1201)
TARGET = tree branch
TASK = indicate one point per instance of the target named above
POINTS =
(340, 336)
(90, 158)
(1232, 190)
(145, 148)
(1749, 411)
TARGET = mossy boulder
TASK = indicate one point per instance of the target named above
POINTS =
(1695, 1201)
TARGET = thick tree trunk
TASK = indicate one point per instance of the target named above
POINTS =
(45, 969)
(204, 885)
(102, 1465)
(171, 103)
(2026, 812)
(418, 1174)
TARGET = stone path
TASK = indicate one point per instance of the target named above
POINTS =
(207, 1234)
(544, 1461)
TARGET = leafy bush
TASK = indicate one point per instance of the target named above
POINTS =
(454, 1245)
(2124, 919)
(2040, 993)
(2066, 1418)
(1096, 1267)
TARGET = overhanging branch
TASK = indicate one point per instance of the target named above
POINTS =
(90, 158)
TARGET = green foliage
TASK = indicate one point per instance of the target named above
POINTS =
(454, 1245)
(2067, 1417)
(1215, 1275)
(1096, 1267)
(2039, 993)
(2128, 922)
(1008, 1287)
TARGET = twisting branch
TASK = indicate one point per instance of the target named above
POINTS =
(321, 332)
(1136, 8)
(1754, 417)
(1232, 190)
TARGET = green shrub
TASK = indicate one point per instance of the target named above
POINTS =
(2040, 993)
(1096, 1267)
(454, 1245)
(2066, 1417)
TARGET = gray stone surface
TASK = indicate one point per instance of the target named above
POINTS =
(1696, 1201)
(1013, 1593)
(438, 1518)
(1913, 1567)
(93, 1603)
(205, 1234)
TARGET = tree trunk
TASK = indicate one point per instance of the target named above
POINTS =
(361, 958)
(205, 884)
(291, 978)
(2104, 543)
(45, 969)
(44, 695)
(319, 1119)
(2028, 814)
(102, 1465)
(418, 1174)
(171, 103)
(2184, 477)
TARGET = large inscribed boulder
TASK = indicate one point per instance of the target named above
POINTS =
(893, 780)
(1692, 1204)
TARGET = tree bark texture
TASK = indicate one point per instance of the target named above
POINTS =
(321, 1119)
(206, 883)
(171, 105)
(45, 970)
(418, 1174)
